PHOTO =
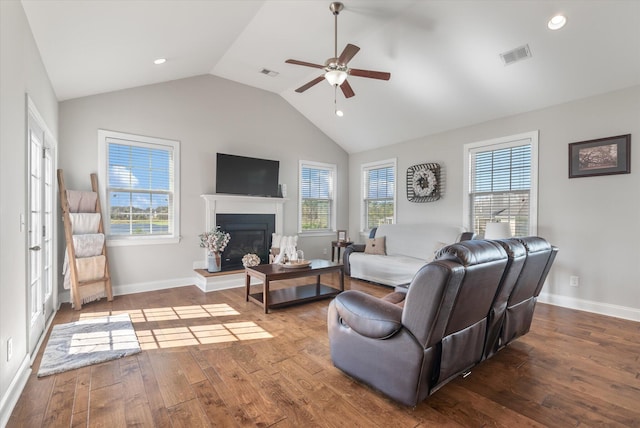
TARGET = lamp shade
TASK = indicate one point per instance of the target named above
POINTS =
(497, 230)
(335, 77)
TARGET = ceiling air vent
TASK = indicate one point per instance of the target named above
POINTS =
(515, 55)
(269, 72)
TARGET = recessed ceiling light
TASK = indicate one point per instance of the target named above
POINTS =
(339, 113)
(160, 61)
(557, 22)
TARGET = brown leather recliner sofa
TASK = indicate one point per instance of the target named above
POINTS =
(463, 307)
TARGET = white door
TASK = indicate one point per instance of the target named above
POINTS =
(40, 227)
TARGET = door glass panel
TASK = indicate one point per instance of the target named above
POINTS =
(40, 232)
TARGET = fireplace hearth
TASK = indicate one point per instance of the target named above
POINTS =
(250, 233)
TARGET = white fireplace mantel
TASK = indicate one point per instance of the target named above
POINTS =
(235, 204)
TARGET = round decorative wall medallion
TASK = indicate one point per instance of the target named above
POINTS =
(423, 182)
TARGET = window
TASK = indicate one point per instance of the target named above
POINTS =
(139, 187)
(317, 193)
(379, 193)
(502, 184)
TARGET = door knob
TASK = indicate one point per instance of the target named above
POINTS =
(35, 248)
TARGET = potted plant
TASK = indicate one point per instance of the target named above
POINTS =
(215, 242)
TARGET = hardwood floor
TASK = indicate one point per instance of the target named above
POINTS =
(215, 360)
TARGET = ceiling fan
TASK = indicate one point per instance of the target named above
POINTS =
(336, 69)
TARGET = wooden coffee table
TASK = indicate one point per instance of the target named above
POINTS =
(294, 294)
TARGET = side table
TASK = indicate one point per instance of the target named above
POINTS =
(338, 245)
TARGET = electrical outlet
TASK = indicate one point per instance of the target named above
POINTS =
(9, 348)
(324, 251)
(574, 281)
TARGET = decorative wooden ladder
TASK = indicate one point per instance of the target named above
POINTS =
(84, 289)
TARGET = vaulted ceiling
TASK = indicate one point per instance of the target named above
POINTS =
(443, 56)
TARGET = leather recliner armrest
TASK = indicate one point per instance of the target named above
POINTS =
(368, 315)
(353, 248)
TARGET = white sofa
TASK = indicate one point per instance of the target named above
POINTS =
(408, 248)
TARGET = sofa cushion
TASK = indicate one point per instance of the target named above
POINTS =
(416, 240)
(408, 247)
(387, 270)
(375, 246)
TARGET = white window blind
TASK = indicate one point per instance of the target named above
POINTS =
(140, 189)
(379, 193)
(500, 186)
(316, 196)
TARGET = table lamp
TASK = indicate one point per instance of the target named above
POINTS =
(497, 230)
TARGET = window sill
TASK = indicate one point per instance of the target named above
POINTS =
(142, 240)
(313, 234)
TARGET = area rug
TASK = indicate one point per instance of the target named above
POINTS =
(82, 343)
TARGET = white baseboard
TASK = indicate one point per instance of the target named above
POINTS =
(10, 398)
(140, 287)
(206, 284)
(617, 311)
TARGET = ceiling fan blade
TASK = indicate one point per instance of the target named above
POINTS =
(346, 89)
(306, 64)
(370, 74)
(310, 84)
(349, 52)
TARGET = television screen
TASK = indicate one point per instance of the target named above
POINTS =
(239, 175)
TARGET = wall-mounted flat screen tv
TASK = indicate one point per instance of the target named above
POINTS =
(240, 175)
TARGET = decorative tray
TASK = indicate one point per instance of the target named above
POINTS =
(296, 264)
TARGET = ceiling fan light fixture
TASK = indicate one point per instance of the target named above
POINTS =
(335, 77)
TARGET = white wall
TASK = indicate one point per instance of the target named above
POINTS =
(593, 220)
(207, 115)
(21, 72)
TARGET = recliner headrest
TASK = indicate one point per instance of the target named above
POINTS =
(534, 244)
(470, 253)
(514, 248)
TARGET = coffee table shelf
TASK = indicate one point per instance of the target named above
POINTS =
(294, 294)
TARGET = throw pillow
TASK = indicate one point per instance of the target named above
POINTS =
(282, 241)
(375, 246)
(279, 242)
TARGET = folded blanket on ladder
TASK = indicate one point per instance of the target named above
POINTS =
(88, 245)
(90, 268)
(82, 202)
(83, 223)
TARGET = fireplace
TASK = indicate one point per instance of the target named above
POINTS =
(250, 233)
(217, 204)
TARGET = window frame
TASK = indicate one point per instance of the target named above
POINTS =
(496, 144)
(333, 169)
(364, 169)
(139, 141)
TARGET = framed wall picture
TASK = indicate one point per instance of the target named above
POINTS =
(603, 156)
(342, 235)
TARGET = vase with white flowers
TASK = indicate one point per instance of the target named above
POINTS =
(215, 242)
